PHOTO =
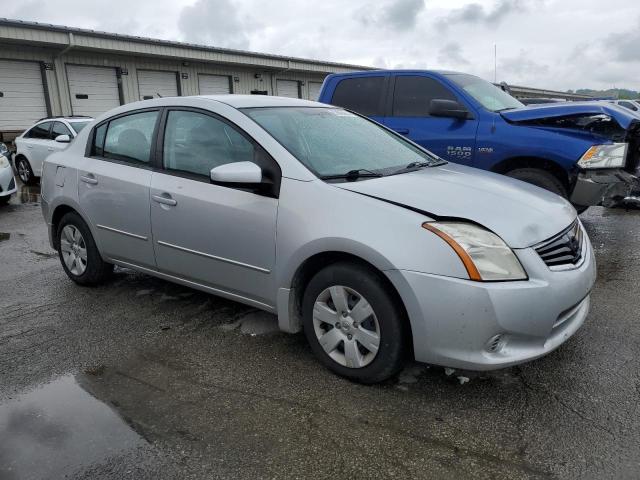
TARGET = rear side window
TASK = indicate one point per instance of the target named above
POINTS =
(413, 94)
(126, 138)
(361, 94)
(39, 131)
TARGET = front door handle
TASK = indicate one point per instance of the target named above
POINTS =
(402, 131)
(89, 178)
(51, 149)
(165, 199)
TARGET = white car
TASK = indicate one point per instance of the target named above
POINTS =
(633, 105)
(7, 181)
(45, 137)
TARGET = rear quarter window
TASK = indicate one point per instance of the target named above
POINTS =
(360, 94)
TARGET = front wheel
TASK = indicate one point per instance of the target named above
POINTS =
(78, 253)
(4, 200)
(354, 326)
(540, 178)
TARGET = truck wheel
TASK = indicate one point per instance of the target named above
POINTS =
(541, 179)
(354, 326)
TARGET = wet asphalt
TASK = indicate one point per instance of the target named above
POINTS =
(141, 378)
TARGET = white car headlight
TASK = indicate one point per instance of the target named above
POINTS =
(605, 156)
(4, 162)
(485, 255)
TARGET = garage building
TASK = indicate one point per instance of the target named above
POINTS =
(50, 70)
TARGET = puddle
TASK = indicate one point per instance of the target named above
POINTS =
(4, 236)
(59, 429)
(27, 194)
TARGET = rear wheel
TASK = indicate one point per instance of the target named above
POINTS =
(540, 178)
(24, 171)
(354, 326)
(78, 253)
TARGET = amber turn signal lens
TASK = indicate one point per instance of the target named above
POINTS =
(472, 271)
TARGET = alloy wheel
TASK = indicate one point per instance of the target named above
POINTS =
(23, 171)
(74, 250)
(346, 327)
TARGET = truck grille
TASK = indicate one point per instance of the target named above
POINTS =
(564, 248)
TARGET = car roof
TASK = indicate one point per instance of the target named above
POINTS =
(256, 101)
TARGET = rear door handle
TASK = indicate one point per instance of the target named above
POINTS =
(89, 178)
(29, 146)
(165, 199)
(402, 131)
(51, 149)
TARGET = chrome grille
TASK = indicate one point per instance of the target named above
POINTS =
(564, 248)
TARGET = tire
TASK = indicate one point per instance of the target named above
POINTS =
(4, 200)
(90, 270)
(24, 171)
(540, 178)
(345, 352)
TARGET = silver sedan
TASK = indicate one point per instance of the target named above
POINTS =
(374, 247)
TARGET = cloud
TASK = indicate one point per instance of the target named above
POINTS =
(397, 15)
(475, 13)
(214, 22)
(451, 54)
(626, 45)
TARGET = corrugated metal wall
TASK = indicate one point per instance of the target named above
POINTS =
(245, 78)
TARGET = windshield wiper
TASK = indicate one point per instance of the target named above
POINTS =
(353, 175)
(413, 166)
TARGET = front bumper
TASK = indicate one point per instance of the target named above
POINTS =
(489, 325)
(594, 187)
(8, 184)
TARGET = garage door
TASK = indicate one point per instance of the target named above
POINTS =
(154, 84)
(93, 90)
(22, 100)
(287, 88)
(214, 84)
(314, 90)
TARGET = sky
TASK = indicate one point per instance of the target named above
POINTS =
(558, 44)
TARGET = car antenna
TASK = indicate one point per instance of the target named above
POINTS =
(159, 96)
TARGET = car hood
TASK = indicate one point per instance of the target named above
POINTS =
(521, 214)
(621, 115)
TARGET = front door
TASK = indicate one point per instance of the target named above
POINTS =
(113, 187)
(214, 235)
(450, 138)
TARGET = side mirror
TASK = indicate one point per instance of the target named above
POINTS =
(448, 108)
(237, 172)
(63, 139)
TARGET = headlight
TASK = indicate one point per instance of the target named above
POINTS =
(604, 156)
(485, 256)
(4, 162)
(3, 149)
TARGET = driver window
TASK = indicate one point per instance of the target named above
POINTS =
(196, 143)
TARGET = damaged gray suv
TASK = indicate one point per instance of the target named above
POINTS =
(375, 248)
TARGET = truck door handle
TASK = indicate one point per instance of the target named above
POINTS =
(165, 199)
(89, 178)
(402, 131)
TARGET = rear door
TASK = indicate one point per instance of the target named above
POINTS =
(113, 186)
(36, 145)
(449, 138)
(219, 236)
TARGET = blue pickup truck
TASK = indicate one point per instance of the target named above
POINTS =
(588, 152)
